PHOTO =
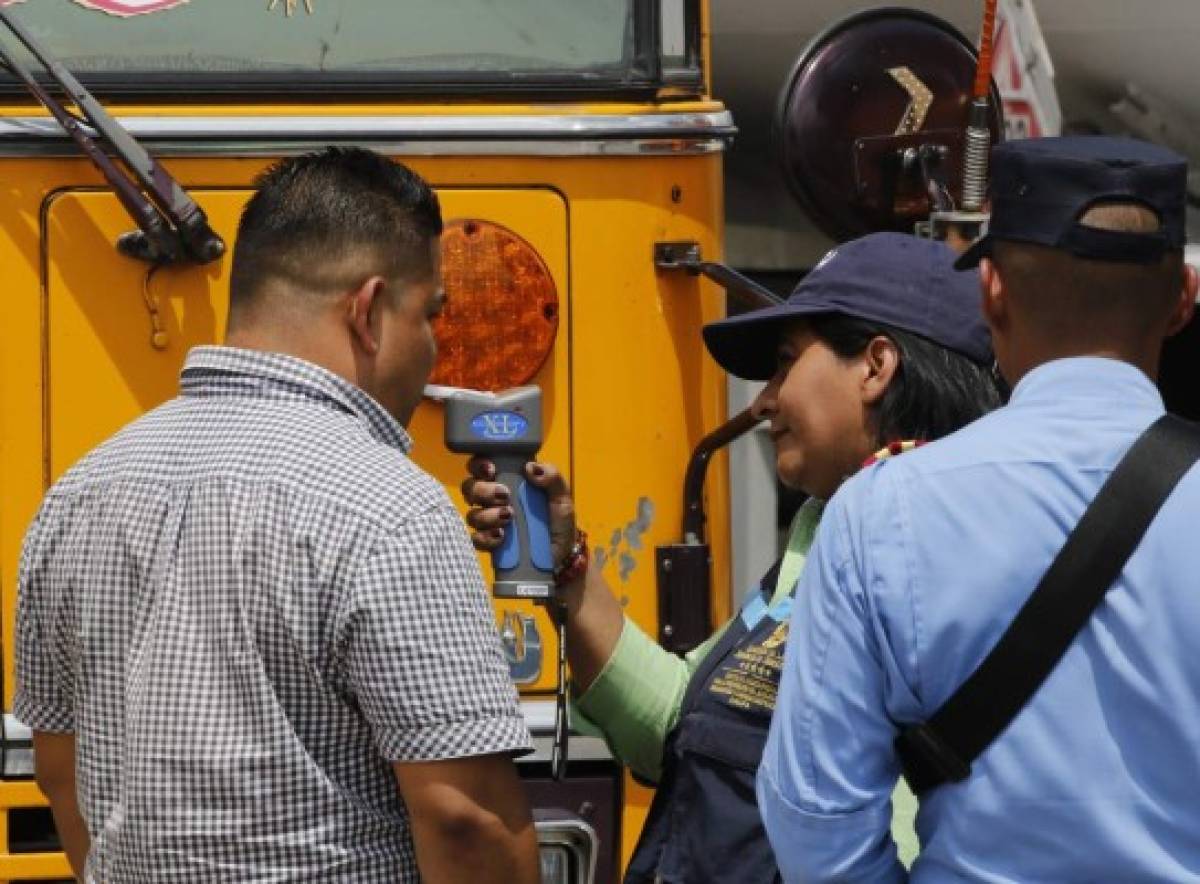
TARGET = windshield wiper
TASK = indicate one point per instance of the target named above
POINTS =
(172, 227)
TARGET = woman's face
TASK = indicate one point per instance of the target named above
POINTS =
(818, 406)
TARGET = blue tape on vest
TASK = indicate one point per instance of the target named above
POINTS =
(753, 611)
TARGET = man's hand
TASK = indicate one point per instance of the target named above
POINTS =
(54, 769)
(470, 821)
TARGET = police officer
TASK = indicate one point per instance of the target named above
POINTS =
(882, 343)
(922, 563)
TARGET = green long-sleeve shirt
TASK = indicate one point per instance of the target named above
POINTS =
(635, 700)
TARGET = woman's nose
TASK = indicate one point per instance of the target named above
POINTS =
(763, 406)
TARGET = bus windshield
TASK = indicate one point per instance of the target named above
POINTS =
(354, 42)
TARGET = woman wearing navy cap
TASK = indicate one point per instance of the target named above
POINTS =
(880, 348)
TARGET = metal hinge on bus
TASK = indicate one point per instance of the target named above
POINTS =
(16, 750)
(567, 847)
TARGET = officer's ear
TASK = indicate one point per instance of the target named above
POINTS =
(1185, 305)
(880, 360)
(362, 308)
(994, 295)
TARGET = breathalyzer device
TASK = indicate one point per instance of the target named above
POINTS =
(506, 428)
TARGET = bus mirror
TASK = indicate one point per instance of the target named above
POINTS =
(869, 128)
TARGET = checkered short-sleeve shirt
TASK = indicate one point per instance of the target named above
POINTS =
(245, 605)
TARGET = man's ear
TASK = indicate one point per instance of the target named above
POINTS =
(1185, 305)
(881, 360)
(362, 311)
(994, 295)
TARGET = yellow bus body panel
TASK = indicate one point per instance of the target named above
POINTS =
(629, 389)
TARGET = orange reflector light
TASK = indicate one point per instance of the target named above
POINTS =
(501, 310)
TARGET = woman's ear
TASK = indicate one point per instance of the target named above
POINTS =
(881, 360)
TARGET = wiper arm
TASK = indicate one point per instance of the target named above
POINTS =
(173, 227)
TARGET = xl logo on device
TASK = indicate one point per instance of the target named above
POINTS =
(499, 426)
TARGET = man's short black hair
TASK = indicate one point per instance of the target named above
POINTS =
(934, 391)
(1092, 302)
(327, 219)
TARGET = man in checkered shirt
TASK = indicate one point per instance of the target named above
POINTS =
(248, 617)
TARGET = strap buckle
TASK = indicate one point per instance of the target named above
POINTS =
(927, 759)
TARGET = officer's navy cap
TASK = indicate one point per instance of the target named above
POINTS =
(1041, 187)
(890, 278)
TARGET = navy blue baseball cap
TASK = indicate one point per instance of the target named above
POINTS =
(891, 278)
(1041, 187)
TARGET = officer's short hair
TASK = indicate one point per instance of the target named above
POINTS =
(1071, 295)
(1043, 189)
(1087, 233)
(324, 221)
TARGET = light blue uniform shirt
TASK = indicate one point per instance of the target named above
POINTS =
(920, 564)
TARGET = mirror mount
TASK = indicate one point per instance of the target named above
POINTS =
(875, 121)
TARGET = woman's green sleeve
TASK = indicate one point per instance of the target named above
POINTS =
(634, 702)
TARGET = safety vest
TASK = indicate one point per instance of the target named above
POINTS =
(704, 826)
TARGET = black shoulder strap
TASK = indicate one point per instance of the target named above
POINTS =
(1096, 551)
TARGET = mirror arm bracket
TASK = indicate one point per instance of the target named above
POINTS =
(686, 257)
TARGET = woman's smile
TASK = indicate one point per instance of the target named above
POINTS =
(816, 409)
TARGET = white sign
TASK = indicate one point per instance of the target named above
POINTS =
(1023, 73)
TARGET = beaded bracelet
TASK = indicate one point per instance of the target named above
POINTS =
(576, 563)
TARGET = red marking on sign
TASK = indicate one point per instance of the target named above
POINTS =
(125, 8)
(1021, 118)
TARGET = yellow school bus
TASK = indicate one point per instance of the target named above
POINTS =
(565, 140)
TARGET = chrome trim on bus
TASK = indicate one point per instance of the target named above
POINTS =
(16, 750)
(567, 830)
(539, 718)
(471, 135)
